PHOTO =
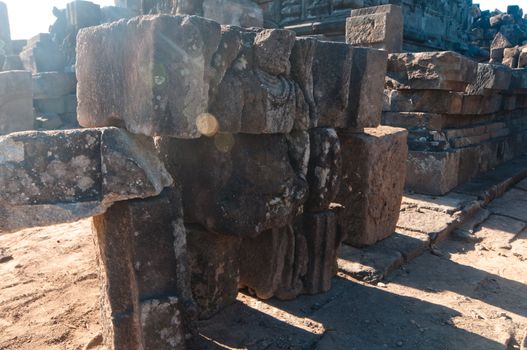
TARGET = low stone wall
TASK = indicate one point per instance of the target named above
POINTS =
(268, 155)
(463, 118)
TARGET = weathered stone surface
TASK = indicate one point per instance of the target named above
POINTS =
(215, 269)
(5, 33)
(256, 95)
(332, 67)
(490, 78)
(42, 55)
(53, 85)
(146, 300)
(379, 27)
(16, 102)
(434, 173)
(242, 13)
(430, 101)
(323, 243)
(373, 177)
(325, 167)
(236, 184)
(348, 85)
(148, 74)
(302, 57)
(430, 71)
(272, 263)
(82, 14)
(62, 176)
(367, 87)
(411, 120)
(478, 104)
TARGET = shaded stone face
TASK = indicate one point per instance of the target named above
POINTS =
(490, 78)
(16, 102)
(62, 176)
(41, 54)
(145, 279)
(236, 184)
(148, 75)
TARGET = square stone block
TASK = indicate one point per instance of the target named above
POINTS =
(16, 102)
(434, 173)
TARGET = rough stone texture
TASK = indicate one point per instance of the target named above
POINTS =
(380, 27)
(146, 299)
(242, 13)
(16, 102)
(215, 269)
(430, 101)
(81, 14)
(256, 95)
(323, 243)
(367, 87)
(490, 78)
(373, 178)
(62, 176)
(53, 85)
(430, 70)
(42, 55)
(325, 167)
(273, 263)
(433, 173)
(302, 57)
(236, 184)
(148, 74)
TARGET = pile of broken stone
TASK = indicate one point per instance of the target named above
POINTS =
(213, 158)
(504, 33)
(463, 117)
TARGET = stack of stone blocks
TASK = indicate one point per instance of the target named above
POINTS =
(463, 118)
(213, 158)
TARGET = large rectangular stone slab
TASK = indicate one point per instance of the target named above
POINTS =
(430, 101)
(50, 85)
(379, 27)
(373, 178)
(445, 70)
(41, 54)
(146, 300)
(434, 173)
(148, 74)
(61, 176)
(16, 102)
(239, 185)
(490, 78)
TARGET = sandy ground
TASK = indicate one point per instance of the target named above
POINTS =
(467, 294)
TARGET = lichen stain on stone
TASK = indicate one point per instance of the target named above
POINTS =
(10, 150)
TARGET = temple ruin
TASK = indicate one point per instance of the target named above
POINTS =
(235, 144)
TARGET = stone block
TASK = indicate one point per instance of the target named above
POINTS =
(242, 13)
(16, 102)
(50, 121)
(272, 263)
(323, 242)
(519, 81)
(478, 104)
(444, 70)
(12, 62)
(114, 13)
(257, 96)
(414, 120)
(82, 14)
(238, 185)
(434, 173)
(379, 27)
(215, 269)
(490, 78)
(51, 85)
(51, 105)
(42, 55)
(5, 33)
(373, 177)
(469, 163)
(325, 166)
(367, 87)
(302, 58)
(148, 74)
(62, 176)
(430, 101)
(142, 256)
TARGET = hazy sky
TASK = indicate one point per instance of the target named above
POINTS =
(30, 17)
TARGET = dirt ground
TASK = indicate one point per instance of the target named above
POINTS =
(469, 293)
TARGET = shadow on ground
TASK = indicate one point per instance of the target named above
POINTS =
(354, 316)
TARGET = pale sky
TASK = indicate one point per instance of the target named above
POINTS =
(30, 17)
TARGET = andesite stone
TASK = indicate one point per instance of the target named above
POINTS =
(62, 176)
(373, 178)
(16, 102)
